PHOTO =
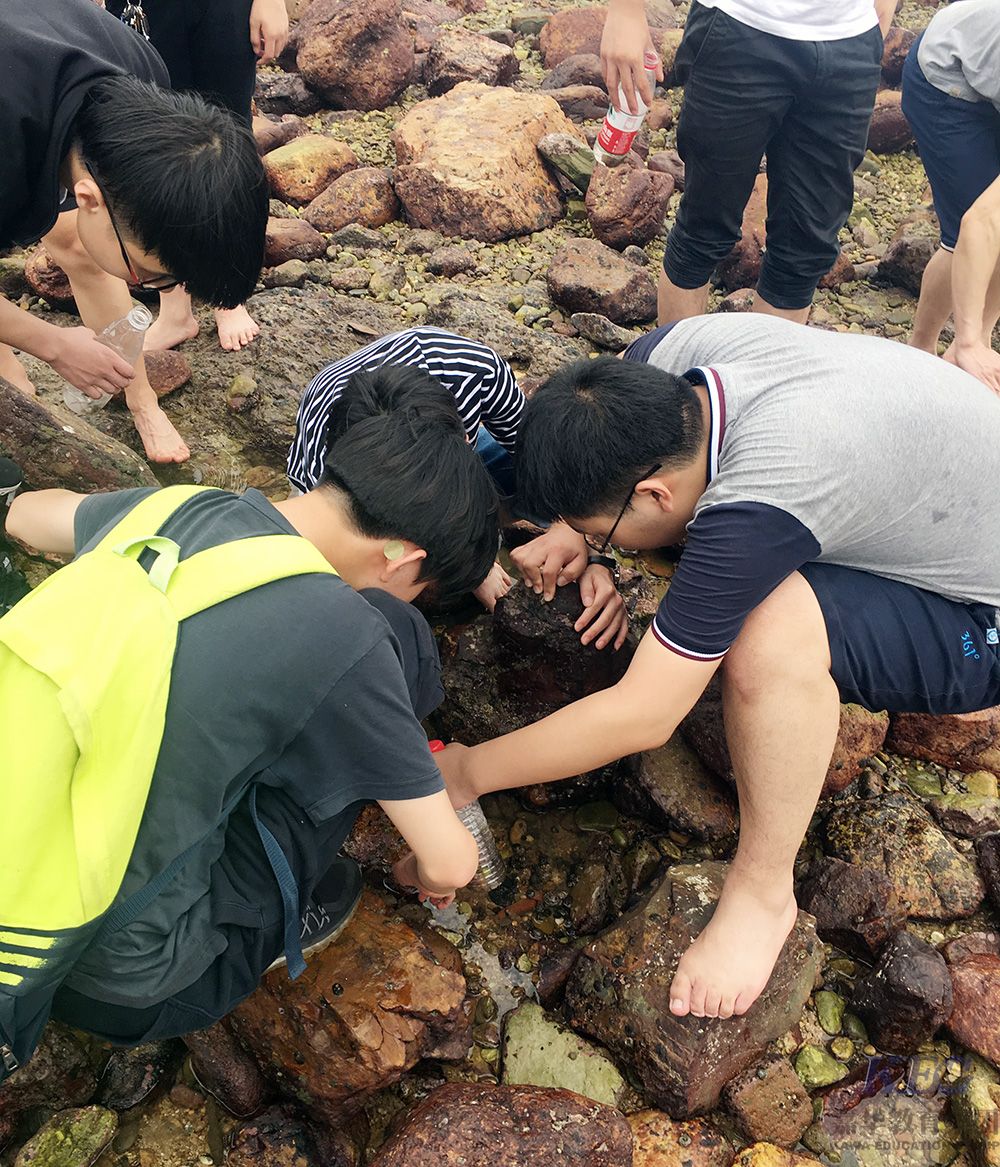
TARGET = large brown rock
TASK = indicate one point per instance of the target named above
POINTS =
(580, 69)
(672, 782)
(861, 734)
(587, 276)
(362, 196)
(300, 169)
(769, 1102)
(481, 1125)
(270, 133)
(618, 993)
(960, 741)
(575, 31)
(166, 370)
(225, 1068)
(57, 448)
(291, 239)
(658, 1141)
(580, 103)
(468, 163)
(59, 1074)
(366, 1010)
(458, 55)
(627, 205)
(856, 908)
(911, 247)
(358, 56)
(895, 835)
(975, 1015)
(898, 42)
(47, 279)
(281, 93)
(889, 131)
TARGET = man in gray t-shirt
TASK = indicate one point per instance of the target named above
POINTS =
(838, 498)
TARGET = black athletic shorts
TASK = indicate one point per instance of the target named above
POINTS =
(894, 646)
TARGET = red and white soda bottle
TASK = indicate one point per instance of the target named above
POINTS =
(620, 127)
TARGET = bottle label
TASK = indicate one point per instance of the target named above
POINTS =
(615, 141)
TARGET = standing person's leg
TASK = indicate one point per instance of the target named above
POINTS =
(102, 299)
(810, 168)
(736, 93)
(13, 371)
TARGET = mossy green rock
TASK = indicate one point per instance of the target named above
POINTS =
(71, 1138)
(830, 1011)
(975, 1107)
(817, 1068)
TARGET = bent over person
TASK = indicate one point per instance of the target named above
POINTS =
(838, 496)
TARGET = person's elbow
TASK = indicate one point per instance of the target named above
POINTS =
(457, 865)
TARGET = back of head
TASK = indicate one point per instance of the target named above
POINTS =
(594, 427)
(402, 460)
(184, 178)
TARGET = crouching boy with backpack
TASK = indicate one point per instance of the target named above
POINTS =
(196, 708)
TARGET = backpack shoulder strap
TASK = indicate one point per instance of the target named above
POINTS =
(149, 515)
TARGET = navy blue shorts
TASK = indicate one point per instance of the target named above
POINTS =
(897, 647)
(959, 144)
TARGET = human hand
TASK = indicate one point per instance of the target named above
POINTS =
(558, 557)
(92, 367)
(604, 617)
(494, 587)
(624, 41)
(407, 877)
(979, 360)
(268, 29)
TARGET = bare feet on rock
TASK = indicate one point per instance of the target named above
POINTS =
(236, 326)
(13, 371)
(728, 966)
(159, 438)
(169, 330)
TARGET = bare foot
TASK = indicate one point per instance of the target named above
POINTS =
(159, 438)
(236, 326)
(13, 371)
(728, 966)
(166, 331)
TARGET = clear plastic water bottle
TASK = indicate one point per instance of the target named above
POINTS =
(616, 135)
(492, 869)
(126, 337)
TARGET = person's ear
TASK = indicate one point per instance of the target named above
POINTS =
(657, 491)
(393, 563)
(88, 194)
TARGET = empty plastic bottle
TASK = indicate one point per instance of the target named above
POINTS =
(125, 336)
(616, 135)
(492, 869)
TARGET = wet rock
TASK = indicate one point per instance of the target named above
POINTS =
(225, 1069)
(362, 196)
(450, 261)
(587, 276)
(458, 55)
(975, 1106)
(538, 1050)
(971, 944)
(580, 103)
(133, 1074)
(618, 993)
(960, 741)
(602, 332)
(59, 1074)
(898, 42)
(816, 1067)
(841, 273)
(572, 157)
(672, 784)
(366, 1009)
(579, 69)
(374, 840)
(468, 163)
(166, 371)
(975, 1018)
(909, 250)
(889, 131)
(861, 735)
(358, 56)
(591, 903)
(906, 997)
(968, 815)
(47, 279)
(479, 1125)
(741, 267)
(769, 1102)
(12, 278)
(291, 239)
(626, 205)
(71, 1138)
(60, 449)
(658, 1141)
(282, 93)
(856, 908)
(281, 1138)
(668, 162)
(988, 854)
(576, 31)
(299, 170)
(895, 835)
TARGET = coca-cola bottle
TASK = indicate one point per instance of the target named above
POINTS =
(616, 135)
(125, 336)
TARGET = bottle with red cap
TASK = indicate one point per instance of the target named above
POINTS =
(616, 135)
(492, 870)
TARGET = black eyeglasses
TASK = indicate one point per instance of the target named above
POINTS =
(160, 283)
(601, 545)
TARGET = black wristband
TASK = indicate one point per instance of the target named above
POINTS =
(605, 561)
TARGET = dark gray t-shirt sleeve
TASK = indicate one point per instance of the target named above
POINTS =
(98, 513)
(364, 739)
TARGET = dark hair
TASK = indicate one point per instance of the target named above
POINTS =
(594, 427)
(392, 389)
(410, 474)
(184, 178)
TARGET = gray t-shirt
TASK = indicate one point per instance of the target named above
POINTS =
(959, 53)
(298, 685)
(840, 448)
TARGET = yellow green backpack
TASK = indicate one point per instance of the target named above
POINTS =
(85, 664)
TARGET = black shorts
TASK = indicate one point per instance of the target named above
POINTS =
(807, 105)
(894, 646)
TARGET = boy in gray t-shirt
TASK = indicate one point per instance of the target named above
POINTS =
(838, 498)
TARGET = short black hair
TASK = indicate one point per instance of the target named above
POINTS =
(184, 177)
(592, 429)
(409, 473)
